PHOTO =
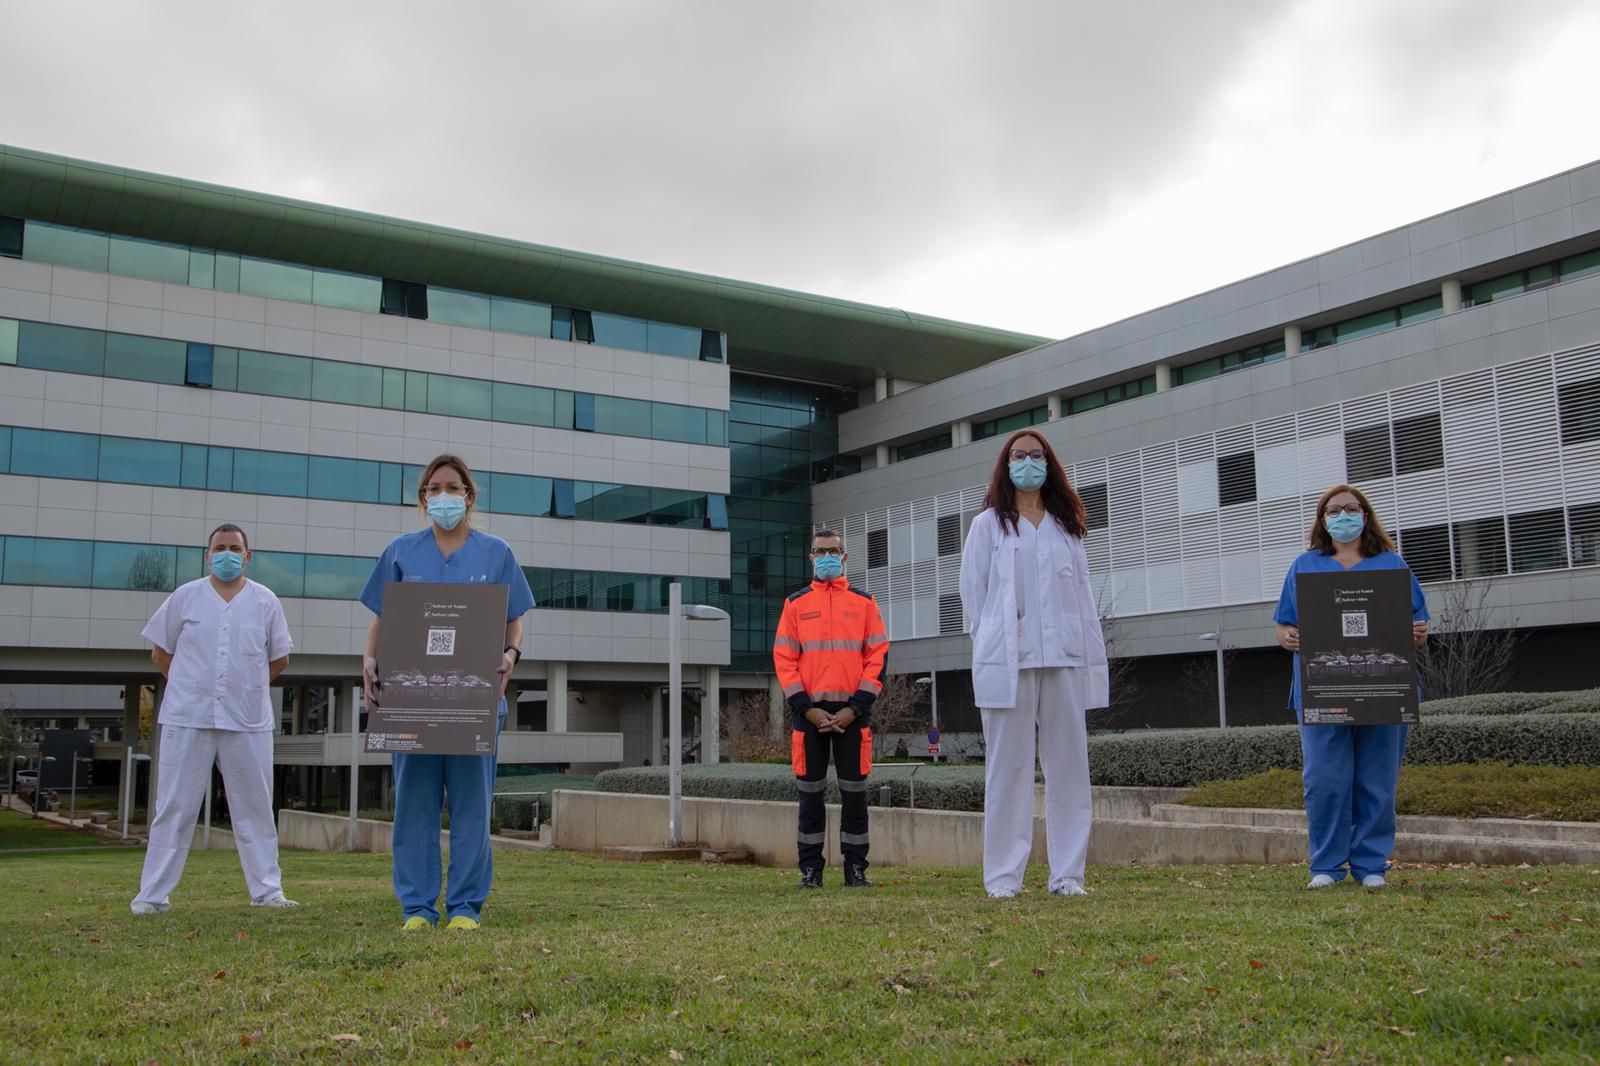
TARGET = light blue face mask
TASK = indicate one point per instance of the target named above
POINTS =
(447, 511)
(1344, 527)
(1027, 474)
(227, 566)
(827, 567)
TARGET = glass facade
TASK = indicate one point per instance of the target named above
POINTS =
(203, 268)
(1007, 424)
(784, 437)
(72, 350)
(90, 457)
(62, 563)
(1242, 359)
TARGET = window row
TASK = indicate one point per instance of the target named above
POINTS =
(936, 443)
(89, 457)
(73, 350)
(1375, 322)
(1127, 390)
(1008, 424)
(226, 272)
(1243, 359)
(1519, 281)
(1553, 539)
(60, 563)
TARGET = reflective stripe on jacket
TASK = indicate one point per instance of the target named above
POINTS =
(830, 647)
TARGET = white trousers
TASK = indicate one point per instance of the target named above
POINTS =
(187, 755)
(1050, 703)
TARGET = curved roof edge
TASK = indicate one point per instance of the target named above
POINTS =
(769, 329)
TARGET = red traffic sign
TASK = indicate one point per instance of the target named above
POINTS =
(933, 749)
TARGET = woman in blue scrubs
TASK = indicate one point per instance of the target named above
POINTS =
(1351, 771)
(447, 550)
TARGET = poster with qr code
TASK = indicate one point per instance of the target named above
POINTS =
(1357, 659)
(439, 653)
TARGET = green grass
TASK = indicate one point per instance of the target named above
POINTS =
(581, 960)
(1477, 790)
(17, 830)
(543, 782)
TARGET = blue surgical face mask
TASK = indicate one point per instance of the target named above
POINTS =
(1027, 474)
(827, 567)
(1344, 527)
(227, 565)
(447, 511)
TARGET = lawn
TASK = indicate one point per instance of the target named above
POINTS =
(18, 830)
(582, 960)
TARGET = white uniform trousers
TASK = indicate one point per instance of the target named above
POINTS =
(1050, 701)
(187, 755)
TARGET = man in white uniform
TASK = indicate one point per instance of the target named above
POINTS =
(219, 641)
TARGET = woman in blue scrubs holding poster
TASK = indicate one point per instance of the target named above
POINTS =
(447, 550)
(1351, 771)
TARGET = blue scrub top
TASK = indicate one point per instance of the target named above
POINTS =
(1313, 562)
(482, 559)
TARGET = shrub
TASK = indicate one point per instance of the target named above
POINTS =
(1511, 703)
(943, 788)
(1537, 739)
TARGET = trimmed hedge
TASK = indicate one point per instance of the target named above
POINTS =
(939, 788)
(1584, 700)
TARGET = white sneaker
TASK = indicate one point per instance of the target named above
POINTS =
(275, 901)
(1374, 881)
(149, 908)
(1321, 881)
(1002, 893)
(1068, 886)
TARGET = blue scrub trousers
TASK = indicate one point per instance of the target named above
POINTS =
(422, 783)
(1351, 773)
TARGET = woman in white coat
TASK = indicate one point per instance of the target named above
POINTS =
(1038, 663)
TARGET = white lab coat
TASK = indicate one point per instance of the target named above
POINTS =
(1071, 623)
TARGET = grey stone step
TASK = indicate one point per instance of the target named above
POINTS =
(1526, 829)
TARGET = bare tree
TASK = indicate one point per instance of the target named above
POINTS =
(894, 711)
(1466, 653)
(746, 730)
(149, 571)
(1119, 665)
(16, 738)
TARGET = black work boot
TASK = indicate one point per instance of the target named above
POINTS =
(855, 876)
(810, 878)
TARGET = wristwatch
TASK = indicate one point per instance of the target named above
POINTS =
(514, 650)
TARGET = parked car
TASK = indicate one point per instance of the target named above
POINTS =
(26, 781)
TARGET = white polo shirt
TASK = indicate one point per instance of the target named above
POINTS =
(220, 650)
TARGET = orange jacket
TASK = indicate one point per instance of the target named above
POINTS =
(830, 648)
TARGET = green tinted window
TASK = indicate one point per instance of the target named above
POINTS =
(149, 259)
(336, 577)
(141, 462)
(675, 422)
(328, 478)
(145, 358)
(459, 308)
(619, 331)
(64, 348)
(520, 316)
(353, 292)
(346, 383)
(1575, 267)
(615, 414)
(269, 473)
(227, 273)
(8, 341)
(460, 397)
(524, 404)
(225, 368)
(51, 453)
(278, 281)
(283, 572)
(270, 374)
(394, 389)
(613, 503)
(202, 269)
(193, 473)
(219, 469)
(66, 247)
(1365, 325)
(664, 339)
(150, 567)
(1421, 310)
(37, 561)
(1495, 288)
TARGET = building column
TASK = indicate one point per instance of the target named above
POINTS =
(652, 739)
(880, 388)
(1163, 377)
(1291, 340)
(346, 715)
(1052, 405)
(1450, 295)
(711, 714)
(883, 455)
(130, 712)
(961, 433)
(154, 749)
(777, 706)
(555, 697)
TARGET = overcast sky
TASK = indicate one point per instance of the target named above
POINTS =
(1044, 167)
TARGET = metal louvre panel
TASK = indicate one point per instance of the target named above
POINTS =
(1235, 439)
(855, 542)
(1092, 472)
(1125, 500)
(1165, 584)
(1241, 577)
(1283, 537)
(1366, 411)
(1272, 432)
(1196, 449)
(1129, 592)
(1577, 375)
(1472, 446)
(1278, 471)
(925, 598)
(1202, 565)
(948, 504)
(1321, 462)
(1160, 470)
(972, 499)
(1097, 546)
(1530, 435)
(924, 537)
(1416, 400)
(1239, 528)
(1197, 487)
(1420, 500)
(1578, 364)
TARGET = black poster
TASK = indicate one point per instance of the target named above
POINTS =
(439, 652)
(1357, 661)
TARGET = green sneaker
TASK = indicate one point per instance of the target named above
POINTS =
(415, 923)
(462, 922)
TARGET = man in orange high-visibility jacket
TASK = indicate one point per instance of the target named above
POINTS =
(829, 655)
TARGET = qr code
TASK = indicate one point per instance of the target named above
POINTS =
(441, 642)
(1355, 623)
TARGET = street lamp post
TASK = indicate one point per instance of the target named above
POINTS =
(676, 613)
(1222, 687)
(38, 781)
(72, 818)
(932, 681)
